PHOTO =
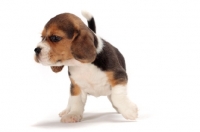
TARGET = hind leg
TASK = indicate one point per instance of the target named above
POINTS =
(109, 98)
(122, 102)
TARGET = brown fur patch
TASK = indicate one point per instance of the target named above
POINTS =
(77, 39)
(113, 80)
(60, 51)
(83, 48)
(56, 68)
(67, 22)
(75, 89)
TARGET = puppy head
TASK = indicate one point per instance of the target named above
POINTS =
(66, 40)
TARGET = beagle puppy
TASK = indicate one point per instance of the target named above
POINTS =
(95, 67)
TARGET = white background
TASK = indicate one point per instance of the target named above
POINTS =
(160, 40)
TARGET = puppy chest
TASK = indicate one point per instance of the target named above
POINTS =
(91, 80)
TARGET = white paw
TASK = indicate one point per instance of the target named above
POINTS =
(64, 112)
(71, 118)
(129, 111)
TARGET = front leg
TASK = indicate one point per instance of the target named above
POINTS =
(67, 110)
(76, 103)
(122, 103)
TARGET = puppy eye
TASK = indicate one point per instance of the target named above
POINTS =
(55, 38)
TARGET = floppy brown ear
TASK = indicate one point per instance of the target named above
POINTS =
(56, 68)
(83, 48)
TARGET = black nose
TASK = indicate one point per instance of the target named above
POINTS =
(37, 50)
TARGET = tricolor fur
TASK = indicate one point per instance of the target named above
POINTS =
(95, 67)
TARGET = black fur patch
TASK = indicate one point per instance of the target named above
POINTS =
(91, 25)
(120, 76)
(110, 59)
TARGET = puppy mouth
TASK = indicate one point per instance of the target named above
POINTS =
(44, 60)
(58, 61)
(36, 58)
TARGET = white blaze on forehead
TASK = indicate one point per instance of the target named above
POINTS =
(43, 44)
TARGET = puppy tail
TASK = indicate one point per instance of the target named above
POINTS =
(90, 20)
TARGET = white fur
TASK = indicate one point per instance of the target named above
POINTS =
(94, 81)
(122, 103)
(91, 79)
(87, 15)
(74, 110)
(100, 44)
(44, 54)
(45, 59)
(71, 62)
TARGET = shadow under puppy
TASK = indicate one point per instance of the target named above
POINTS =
(95, 67)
